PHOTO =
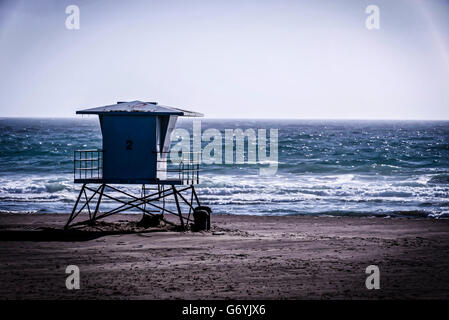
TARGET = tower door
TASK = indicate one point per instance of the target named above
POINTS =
(129, 143)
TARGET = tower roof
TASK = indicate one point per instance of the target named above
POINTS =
(140, 108)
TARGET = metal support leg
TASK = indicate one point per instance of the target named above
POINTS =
(98, 202)
(190, 205)
(72, 215)
(196, 196)
(175, 194)
(87, 203)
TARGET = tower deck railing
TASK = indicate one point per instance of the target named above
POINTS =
(88, 166)
(186, 169)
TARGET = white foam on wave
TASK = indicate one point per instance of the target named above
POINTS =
(281, 194)
(323, 190)
(35, 188)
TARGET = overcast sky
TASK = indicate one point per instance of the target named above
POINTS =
(228, 59)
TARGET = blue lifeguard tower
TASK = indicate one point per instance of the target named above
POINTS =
(136, 142)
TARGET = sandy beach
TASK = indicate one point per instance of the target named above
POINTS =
(242, 257)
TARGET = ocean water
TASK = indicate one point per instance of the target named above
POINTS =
(383, 168)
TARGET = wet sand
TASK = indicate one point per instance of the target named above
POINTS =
(243, 257)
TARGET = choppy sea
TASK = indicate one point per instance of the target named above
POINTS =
(359, 168)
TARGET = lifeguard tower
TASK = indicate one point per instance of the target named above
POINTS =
(136, 142)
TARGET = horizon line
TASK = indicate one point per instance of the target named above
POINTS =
(243, 118)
